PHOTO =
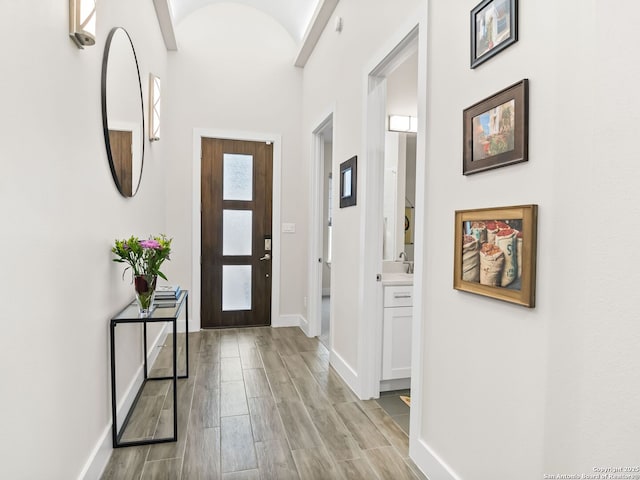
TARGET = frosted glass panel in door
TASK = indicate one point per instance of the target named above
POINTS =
(236, 287)
(237, 177)
(236, 232)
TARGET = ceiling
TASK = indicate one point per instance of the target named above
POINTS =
(294, 15)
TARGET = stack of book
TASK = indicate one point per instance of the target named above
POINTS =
(166, 296)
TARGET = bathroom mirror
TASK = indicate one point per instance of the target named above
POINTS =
(400, 160)
(399, 195)
(122, 111)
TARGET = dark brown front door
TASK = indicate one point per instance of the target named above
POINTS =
(236, 233)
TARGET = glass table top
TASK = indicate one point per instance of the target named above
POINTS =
(162, 310)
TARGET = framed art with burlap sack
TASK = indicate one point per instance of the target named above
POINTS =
(495, 253)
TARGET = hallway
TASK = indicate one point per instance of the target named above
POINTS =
(263, 403)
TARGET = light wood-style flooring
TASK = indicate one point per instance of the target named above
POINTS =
(261, 403)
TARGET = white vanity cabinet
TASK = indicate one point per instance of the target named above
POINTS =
(396, 332)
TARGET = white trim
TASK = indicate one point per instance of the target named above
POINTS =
(99, 457)
(318, 22)
(166, 22)
(101, 453)
(346, 371)
(182, 326)
(395, 384)
(396, 50)
(316, 232)
(294, 320)
(419, 451)
(428, 461)
(304, 325)
(276, 139)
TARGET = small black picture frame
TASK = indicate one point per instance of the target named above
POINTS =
(348, 182)
(494, 27)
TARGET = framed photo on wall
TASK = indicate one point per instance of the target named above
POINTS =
(495, 253)
(494, 27)
(496, 130)
(348, 182)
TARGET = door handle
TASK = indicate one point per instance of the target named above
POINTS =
(266, 257)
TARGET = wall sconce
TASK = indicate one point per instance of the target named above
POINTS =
(403, 123)
(154, 108)
(82, 22)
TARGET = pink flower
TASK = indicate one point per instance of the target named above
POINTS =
(150, 244)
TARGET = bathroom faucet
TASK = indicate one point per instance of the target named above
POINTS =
(406, 261)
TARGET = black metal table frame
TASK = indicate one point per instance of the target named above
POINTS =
(117, 437)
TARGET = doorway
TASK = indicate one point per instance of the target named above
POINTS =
(371, 344)
(408, 39)
(236, 240)
(321, 243)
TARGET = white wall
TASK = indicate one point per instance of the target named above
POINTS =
(402, 88)
(234, 72)
(60, 213)
(511, 392)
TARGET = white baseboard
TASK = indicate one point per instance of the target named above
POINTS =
(429, 462)
(396, 384)
(100, 455)
(287, 321)
(343, 369)
(182, 326)
(304, 325)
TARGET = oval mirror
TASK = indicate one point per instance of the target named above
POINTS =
(122, 111)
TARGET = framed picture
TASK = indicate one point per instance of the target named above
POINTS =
(494, 27)
(495, 253)
(348, 182)
(496, 130)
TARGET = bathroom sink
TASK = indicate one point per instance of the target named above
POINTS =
(389, 266)
(397, 278)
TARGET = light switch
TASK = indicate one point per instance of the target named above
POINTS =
(288, 228)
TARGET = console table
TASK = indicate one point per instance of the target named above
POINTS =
(160, 314)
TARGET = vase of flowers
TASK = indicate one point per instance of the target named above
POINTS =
(144, 258)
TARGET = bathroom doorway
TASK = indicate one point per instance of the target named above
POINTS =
(388, 346)
(321, 244)
(398, 257)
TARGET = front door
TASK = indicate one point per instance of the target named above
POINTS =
(236, 233)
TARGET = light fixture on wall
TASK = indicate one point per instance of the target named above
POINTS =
(154, 108)
(403, 123)
(82, 22)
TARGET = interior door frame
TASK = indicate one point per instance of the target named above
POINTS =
(276, 140)
(316, 214)
(370, 312)
(370, 342)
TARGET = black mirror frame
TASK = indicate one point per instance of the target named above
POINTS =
(105, 123)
